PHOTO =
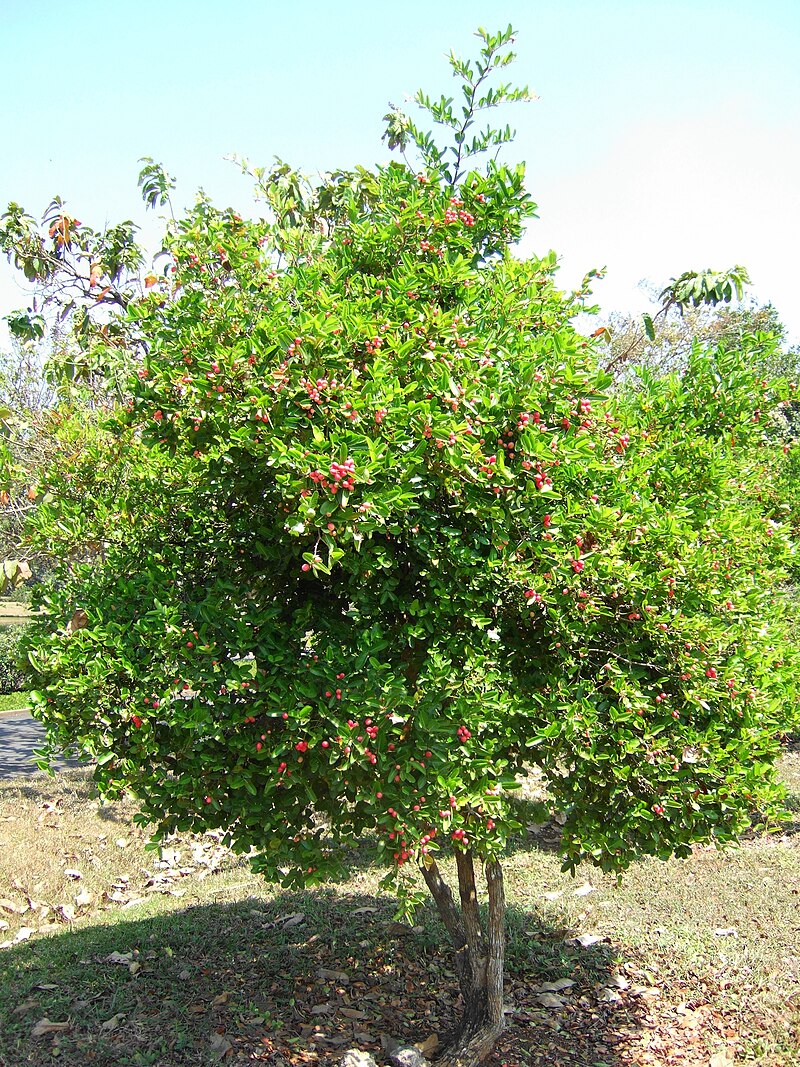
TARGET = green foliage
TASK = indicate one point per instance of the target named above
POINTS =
(155, 183)
(12, 677)
(386, 541)
(450, 159)
(697, 287)
(86, 277)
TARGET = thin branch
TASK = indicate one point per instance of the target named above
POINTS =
(623, 659)
(636, 342)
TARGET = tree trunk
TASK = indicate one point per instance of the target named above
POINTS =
(479, 956)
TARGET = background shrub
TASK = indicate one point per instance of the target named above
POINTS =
(12, 678)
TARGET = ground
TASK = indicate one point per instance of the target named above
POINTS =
(114, 955)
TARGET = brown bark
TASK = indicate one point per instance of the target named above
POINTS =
(451, 918)
(479, 957)
(496, 942)
(469, 902)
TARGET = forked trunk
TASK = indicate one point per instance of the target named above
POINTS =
(479, 955)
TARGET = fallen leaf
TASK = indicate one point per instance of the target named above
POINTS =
(44, 1026)
(134, 967)
(223, 998)
(84, 898)
(550, 1000)
(726, 932)
(364, 911)
(112, 1023)
(23, 934)
(429, 1045)
(26, 1005)
(690, 1017)
(722, 1059)
(553, 896)
(119, 957)
(397, 929)
(352, 1013)
(609, 996)
(333, 976)
(71, 873)
(322, 1009)
(584, 890)
(557, 986)
(294, 918)
(220, 1046)
(584, 940)
(66, 912)
(10, 906)
(116, 897)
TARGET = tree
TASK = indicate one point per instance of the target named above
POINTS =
(47, 404)
(72, 350)
(626, 343)
(386, 542)
(688, 311)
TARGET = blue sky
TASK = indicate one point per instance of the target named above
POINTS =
(666, 135)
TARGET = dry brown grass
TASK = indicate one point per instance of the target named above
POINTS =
(705, 950)
(65, 857)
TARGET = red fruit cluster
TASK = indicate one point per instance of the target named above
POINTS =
(342, 473)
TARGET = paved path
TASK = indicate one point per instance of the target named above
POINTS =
(19, 736)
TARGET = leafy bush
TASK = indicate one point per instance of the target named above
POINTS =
(12, 677)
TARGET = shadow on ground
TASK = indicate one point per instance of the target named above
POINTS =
(294, 979)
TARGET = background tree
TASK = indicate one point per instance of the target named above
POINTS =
(385, 541)
(624, 343)
(688, 311)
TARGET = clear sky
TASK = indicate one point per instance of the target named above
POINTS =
(666, 136)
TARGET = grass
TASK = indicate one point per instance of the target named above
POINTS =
(13, 701)
(182, 956)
